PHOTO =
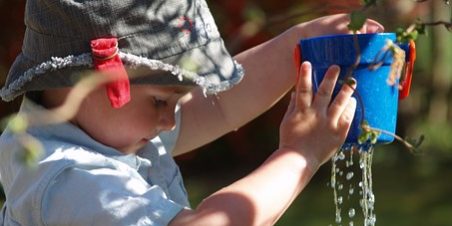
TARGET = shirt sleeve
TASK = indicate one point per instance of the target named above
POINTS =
(105, 196)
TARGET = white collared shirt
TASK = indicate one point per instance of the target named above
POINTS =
(80, 181)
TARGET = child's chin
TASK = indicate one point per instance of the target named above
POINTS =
(144, 141)
(133, 148)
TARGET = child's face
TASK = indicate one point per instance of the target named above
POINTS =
(150, 111)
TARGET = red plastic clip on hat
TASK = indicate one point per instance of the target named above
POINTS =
(106, 59)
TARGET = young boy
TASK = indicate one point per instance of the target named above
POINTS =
(112, 164)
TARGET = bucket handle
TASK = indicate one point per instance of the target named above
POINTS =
(409, 66)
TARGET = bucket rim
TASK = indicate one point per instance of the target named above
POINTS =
(383, 34)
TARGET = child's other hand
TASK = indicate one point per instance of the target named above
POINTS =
(333, 24)
(313, 125)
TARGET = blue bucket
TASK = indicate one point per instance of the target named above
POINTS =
(377, 98)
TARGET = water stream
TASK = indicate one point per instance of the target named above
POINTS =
(350, 190)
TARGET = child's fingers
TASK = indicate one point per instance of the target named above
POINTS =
(373, 26)
(340, 101)
(346, 117)
(323, 95)
(303, 89)
(370, 26)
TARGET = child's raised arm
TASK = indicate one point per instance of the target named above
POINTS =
(311, 131)
(269, 74)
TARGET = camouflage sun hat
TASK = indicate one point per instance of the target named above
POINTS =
(173, 42)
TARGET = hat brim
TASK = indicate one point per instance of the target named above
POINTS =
(208, 66)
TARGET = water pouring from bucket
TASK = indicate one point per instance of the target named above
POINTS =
(376, 63)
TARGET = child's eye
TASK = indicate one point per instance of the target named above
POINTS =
(159, 102)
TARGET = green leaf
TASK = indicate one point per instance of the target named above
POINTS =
(32, 150)
(370, 2)
(363, 137)
(255, 14)
(18, 124)
(374, 136)
(420, 28)
(404, 37)
(357, 20)
(368, 134)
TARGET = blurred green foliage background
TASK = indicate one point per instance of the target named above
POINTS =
(409, 189)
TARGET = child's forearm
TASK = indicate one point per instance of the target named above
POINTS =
(257, 199)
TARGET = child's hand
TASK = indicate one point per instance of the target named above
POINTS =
(334, 24)
(312, 126)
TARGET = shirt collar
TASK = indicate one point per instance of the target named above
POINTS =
(69, 133)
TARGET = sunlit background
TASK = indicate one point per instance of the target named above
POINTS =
(409, 189)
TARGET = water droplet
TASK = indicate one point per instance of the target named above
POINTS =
(338, 218)
(349, 175)
(351, 213)
(371, 198)
(340, 187)
(339, 200)
(351, 191)
(341, 155)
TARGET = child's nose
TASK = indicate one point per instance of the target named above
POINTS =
(166, 118)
